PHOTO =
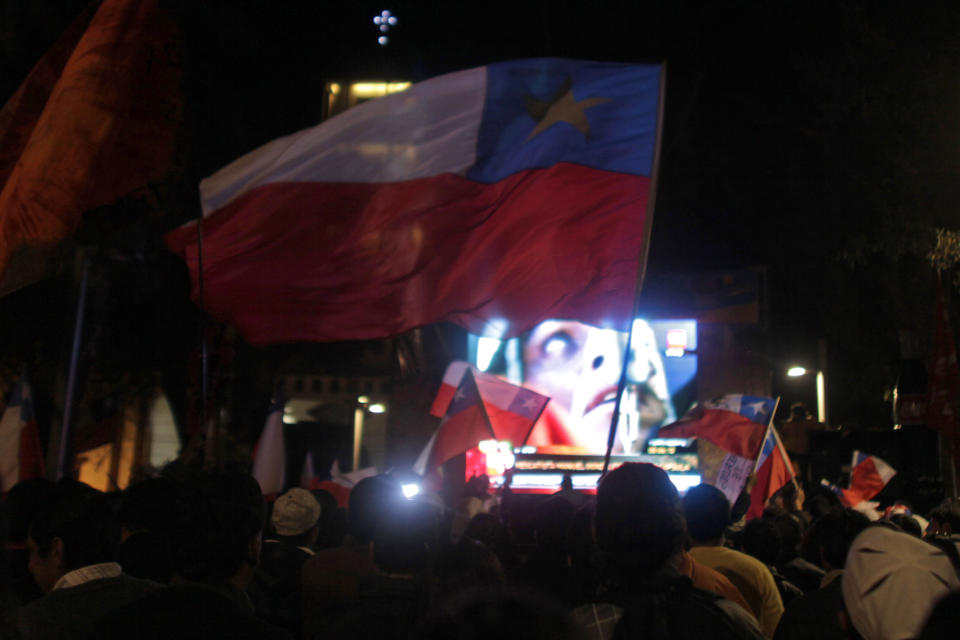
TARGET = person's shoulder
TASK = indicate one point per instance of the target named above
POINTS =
(279, 552)
(78, 607)
(694, 612)
(339, 559)
(813, 615)
(717, 553)
(744, 624)
(746, 560)
(122, 584)
(165, 613)
(597, 620)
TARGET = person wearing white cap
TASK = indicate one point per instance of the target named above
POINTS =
(275, 589)
(892, 582)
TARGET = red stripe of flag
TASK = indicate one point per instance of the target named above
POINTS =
(415, 252)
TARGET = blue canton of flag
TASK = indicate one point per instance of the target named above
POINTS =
(527, 404)
(539, 112)
(756, 408)
(466, 396)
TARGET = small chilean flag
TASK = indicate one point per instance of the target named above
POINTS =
(20, 454)
(774, 470)
(483, 407)
(734, 422)
(451, 380)
(868, 475)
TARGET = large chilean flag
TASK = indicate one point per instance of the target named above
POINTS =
(493, 197)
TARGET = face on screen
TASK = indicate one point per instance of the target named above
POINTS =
(579, 366)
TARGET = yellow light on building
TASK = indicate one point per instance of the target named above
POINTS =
(367, 90)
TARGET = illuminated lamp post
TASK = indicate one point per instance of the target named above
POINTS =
(363, 405)
(797, 371)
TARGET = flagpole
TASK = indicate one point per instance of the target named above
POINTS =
(483, 407)
(756, 463)
(203, 337)
(783, 452)
(66, 429)
(641, 266)
(534, 423)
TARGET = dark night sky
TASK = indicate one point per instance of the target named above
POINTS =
(795, 132)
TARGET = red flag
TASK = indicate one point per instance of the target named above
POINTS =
(868, 476)
(451, 380)
(20, 455)
(464, 426)
(735, 423)
(340, 492)
(94, 120)
(467, 198)
(511, 409)
(774, 470)
(944, 387)
(341, 484)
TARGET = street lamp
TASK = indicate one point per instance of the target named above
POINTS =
(797, 371)
(359, 412)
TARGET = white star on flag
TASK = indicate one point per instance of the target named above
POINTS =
(758, 408)
(528, 402)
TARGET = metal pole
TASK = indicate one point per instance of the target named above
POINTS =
(210, 434)
(68, 409)
(621, 385)
(822, 415)
(357, 434)
(641, 268)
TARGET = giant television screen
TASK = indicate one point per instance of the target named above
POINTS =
(578, 367)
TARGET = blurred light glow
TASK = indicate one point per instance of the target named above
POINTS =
(366, 90)
(410, 490)
(670, 442)
(487, 446)
(796, 372)
(496, 328)
(377, 408)
(683, 481)
(486, 349)
(499, 456)
(555, 346)
(363, 399)
(383, 40)
(676, 343)
(289, 419)
(821, 398)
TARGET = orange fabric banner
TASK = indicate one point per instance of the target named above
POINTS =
(95, 119)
